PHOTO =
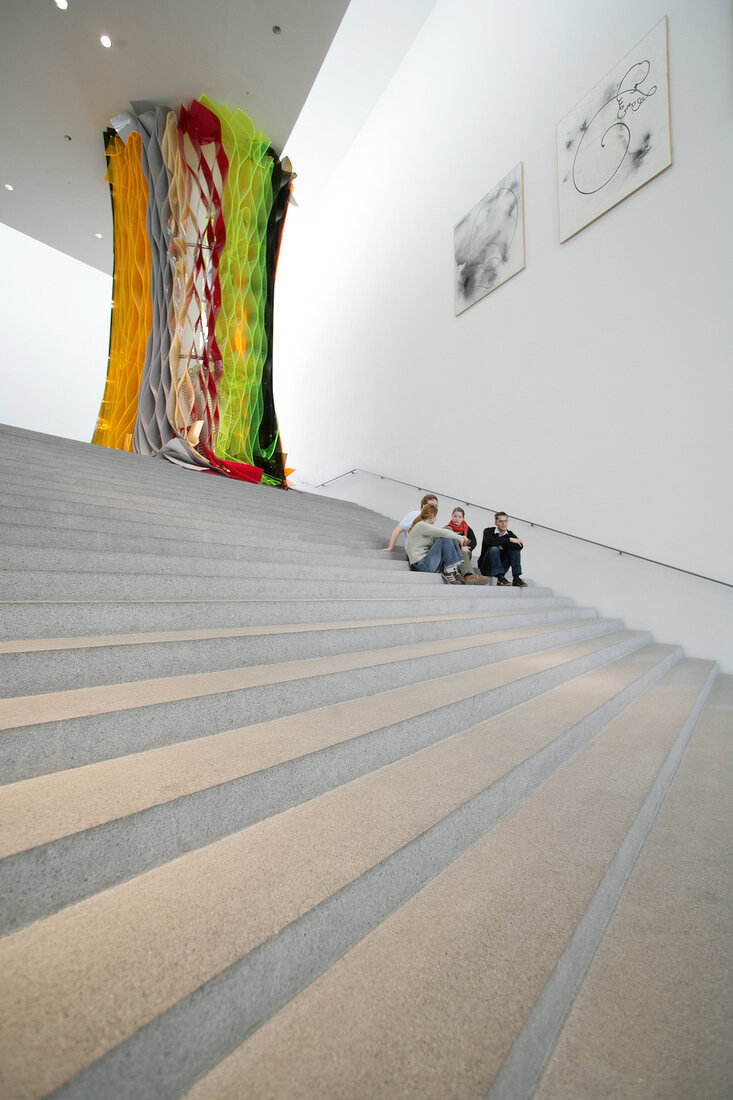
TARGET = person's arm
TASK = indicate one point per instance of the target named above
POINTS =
(463, 539)
(513, 538)
(434, 533)
(471, 541)
(393, 538)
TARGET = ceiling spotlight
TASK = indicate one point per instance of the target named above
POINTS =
(62, 4)
(276, 29)
(9, 187)
(105, 40)
(98, 236)
(67, 137)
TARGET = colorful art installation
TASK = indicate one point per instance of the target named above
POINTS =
(199, 199)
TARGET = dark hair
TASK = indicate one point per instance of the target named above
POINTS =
(426, 498)
(459, 509)
(425, 511)
(497, 514)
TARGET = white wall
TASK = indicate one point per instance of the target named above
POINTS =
(54, 317)
(592, 392)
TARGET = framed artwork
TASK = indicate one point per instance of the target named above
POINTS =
(489, 241)
(617, 138)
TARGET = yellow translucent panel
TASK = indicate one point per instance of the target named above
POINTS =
(132, 308)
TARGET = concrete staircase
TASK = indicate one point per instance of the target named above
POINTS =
(281, 818)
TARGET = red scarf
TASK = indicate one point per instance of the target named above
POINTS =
(461, 529)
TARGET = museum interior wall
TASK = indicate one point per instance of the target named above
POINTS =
(54, 312)
(592, 391)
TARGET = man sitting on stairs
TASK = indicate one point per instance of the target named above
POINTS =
(500, 550)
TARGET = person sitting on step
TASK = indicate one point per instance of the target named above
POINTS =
(500, 550)
(459, 525)
(405, 524)
(432, 549)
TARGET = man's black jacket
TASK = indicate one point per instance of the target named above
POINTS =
(493, 538)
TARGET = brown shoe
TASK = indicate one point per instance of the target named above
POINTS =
(452, 578)
(474, 578)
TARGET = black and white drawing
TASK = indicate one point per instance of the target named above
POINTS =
(618, 136)
(489, 241)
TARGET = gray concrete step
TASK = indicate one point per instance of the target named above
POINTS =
(152, 807)
(41, 665)
(278, 829)
(32, 560)
(177, 531)
(654, 1014)
(181, 514)
(429, 1002)
(421, 907)
(247, 546)
(65, 618)
(60, 730)
(262, 582)
(115, 469)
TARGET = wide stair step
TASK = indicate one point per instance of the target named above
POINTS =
(48, 664)
(282, 818)
(520, 850)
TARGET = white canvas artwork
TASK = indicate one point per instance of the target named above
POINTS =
(489, 241)
(618, 136)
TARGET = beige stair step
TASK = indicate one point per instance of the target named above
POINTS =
(41, 665)
(429, 1003)
(43, 809)
(654, 1016)
(56, 706)
(42, 645)
(89, 978)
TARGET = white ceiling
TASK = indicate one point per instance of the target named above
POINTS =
(57, 79)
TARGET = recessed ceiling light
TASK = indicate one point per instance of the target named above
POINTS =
(276, 29)
(105, 40)
(9, 187)
(62, 4)
(98, 236)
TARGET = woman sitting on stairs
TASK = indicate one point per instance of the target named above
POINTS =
(434, 550)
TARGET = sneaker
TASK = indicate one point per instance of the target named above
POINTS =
(519, 583)
(452, 578)
(501, 579)
(473, 578)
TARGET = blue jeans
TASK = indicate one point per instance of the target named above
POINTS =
(442, 553)
(500, 561)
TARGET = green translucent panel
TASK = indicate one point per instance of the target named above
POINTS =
(240, 326)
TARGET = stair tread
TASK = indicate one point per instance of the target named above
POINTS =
(40, 645)
(655, 1006)
(365, 840)
(78, 702)
(47, 807)
(147, 944)
(457, 968)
